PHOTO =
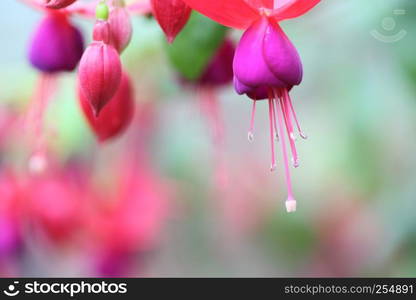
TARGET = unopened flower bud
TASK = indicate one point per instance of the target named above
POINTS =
(116, 116)
(56, 45)
(100, 69)
(120, 27)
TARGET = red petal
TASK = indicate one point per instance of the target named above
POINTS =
(260, 3)
(116, 116)
(294, 8)
(172, 16)
(232, 13)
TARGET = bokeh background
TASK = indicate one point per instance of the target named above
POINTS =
(191, 208)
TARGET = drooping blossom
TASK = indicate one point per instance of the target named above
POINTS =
(266, 64)
(11, 230)
(172, 16)
(55, 209)
(120, 25)
(116, 116)
(10, 227)
(129, 220)
(217, 73)
(57, 45)
(100, 67)
(57, 4)
(348, 236)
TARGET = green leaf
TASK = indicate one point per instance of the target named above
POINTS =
(195, 45)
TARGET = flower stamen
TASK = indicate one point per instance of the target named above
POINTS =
(301, 133)
(272, 134)
(289, 129)
(250, 134)
(290, 202)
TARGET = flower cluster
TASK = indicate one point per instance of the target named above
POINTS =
(265, 66)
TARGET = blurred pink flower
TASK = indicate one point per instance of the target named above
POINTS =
(10, 225)
(128, 221)
(55, 205)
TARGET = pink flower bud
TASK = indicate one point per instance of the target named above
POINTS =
(172, 15)
(116, 116)
(120, 27)
(58, 4)
(100, 69)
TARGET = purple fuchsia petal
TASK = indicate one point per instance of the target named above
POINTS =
(281, 56)
(56, 45)
(255, 93)
(249, 65)
(240, 87)
(259, 93)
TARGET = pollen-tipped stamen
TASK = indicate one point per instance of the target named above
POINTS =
(290, 202)
(301, 133)
(272, 135)
(289, 128)
(250, 135)
(276, 134)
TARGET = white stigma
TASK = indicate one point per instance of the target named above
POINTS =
(37, 163)
(250, 136)
(290, 205)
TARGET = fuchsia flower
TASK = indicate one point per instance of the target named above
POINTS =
(172, 16)
(116, 116)
(130, 220)
(56, 206)
(266, 64)
(57, 45)
(57, 4)
(100, 66)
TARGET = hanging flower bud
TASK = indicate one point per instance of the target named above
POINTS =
(171, 15)
(120, 26)
(100, 66)
(56, 45)
(57, 4)
(220, 70)
(265, 57)
(116, 116)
